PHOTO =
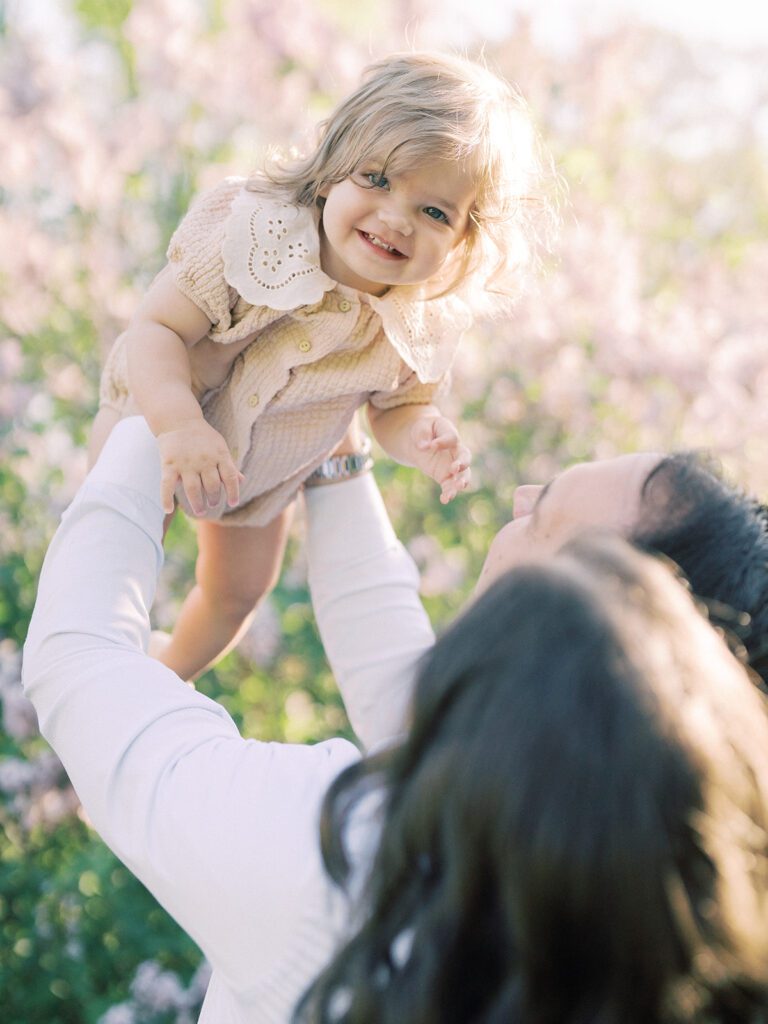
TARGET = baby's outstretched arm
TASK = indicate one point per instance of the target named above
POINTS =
(165, 326)
(420, 436)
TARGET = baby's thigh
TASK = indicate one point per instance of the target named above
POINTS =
(241, 563)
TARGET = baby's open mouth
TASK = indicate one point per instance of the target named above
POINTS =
(380, 244)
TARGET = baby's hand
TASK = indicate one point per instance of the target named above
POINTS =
(439, 452)
(197, 455)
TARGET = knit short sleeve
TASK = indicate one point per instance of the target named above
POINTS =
(411, 391)
(195, 254)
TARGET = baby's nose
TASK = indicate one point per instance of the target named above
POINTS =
(396, 220)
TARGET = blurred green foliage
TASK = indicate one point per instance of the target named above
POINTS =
(74, 922)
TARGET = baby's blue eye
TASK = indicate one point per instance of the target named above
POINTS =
(377, 180)
(435, 214)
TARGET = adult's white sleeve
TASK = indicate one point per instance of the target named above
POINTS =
(221, 829)
(365, 593)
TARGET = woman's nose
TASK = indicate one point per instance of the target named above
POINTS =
(525, 498)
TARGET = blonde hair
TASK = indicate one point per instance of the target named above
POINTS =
(412, 107)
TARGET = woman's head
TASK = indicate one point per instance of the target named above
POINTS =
(677, 506)
(718, 536)
(413, 109)
(576, 825)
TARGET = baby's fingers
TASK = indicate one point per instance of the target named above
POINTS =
(455, 484)
(231, 478)
(461, 459)
(212, 479)
(211, 482)
(193, 488)
(168, 483)
(446, 437)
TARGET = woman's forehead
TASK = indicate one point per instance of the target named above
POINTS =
(605, 492)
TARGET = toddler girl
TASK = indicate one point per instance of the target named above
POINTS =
(295, 296)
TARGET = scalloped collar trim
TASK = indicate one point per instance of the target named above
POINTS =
(272, 253)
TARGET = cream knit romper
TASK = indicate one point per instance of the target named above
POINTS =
(320, 350)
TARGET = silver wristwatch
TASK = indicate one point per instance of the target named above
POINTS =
(342, 467)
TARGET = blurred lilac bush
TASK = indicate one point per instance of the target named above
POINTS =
(647, 330)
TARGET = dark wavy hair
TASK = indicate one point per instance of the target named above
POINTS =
(574, 829)
(718, 536)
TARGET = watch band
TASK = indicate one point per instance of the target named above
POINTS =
(342, 467)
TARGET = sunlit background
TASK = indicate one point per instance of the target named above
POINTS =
(647, 328)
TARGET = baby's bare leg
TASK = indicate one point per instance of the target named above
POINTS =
(236, 567)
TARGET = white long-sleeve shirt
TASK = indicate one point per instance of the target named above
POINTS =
(223, 830)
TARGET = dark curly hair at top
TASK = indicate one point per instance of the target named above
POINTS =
(718, 536)
(574, 829)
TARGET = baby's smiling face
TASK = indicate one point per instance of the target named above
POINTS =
(399, 229)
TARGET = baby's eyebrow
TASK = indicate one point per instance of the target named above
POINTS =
(446, 204)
